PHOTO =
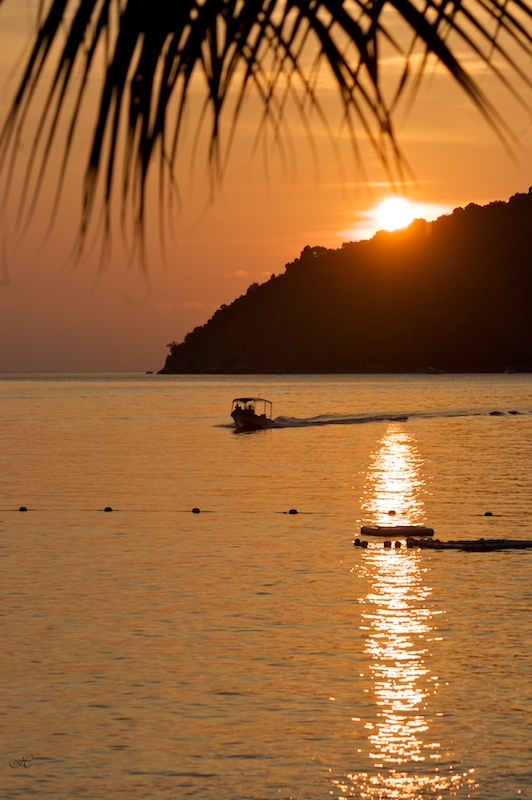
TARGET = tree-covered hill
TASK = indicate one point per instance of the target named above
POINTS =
(451, 295)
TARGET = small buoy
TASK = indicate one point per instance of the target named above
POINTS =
(23, 508)
(293, 511)
(387, 543)
(391, 513)
(108, 508)
(357, 543)
(363, 544)
(488, 513)
(397, 545)
(195, 511)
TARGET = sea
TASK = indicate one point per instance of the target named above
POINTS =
(184, 613)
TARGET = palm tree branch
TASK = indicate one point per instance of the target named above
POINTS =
(157, 47)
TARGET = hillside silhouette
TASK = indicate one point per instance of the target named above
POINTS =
(454, 295)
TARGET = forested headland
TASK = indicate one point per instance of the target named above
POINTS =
(454, 295)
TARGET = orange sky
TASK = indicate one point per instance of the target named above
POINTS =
(60, 316)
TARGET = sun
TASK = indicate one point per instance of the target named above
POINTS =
(394, 213)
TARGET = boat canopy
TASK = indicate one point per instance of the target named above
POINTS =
(257, 405)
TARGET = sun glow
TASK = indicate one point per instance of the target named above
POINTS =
(382, 216)
(394, 213)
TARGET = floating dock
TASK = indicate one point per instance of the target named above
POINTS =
(396, 531)
(471, 545)
(421, 536)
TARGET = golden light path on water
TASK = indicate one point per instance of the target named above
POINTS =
(399, 627)
(393, 481)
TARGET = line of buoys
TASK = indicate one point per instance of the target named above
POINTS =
(108, 509)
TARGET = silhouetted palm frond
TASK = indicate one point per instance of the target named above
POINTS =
(153, 50)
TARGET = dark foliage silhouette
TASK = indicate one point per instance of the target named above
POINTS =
(153, 50)
(452, 295)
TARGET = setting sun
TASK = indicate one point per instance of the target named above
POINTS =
(394, 213)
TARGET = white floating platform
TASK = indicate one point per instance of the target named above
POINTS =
(396, 531)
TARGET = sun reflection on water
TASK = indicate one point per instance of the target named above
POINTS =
(393, 482)
(397, 625)
(402, 759)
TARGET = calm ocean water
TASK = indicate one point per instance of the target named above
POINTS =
(243, 652)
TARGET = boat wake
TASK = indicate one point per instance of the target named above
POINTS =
(359, 419)
(335, 419)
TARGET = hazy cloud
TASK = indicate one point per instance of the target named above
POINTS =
(197, 304)
(240, 273)
(243, 273)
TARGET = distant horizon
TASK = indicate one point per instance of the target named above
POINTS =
(255, 375)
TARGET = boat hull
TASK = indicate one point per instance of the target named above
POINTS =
(248, 421)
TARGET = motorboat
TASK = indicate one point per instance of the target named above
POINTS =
(251, 413)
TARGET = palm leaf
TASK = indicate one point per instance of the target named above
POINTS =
(154, 49)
